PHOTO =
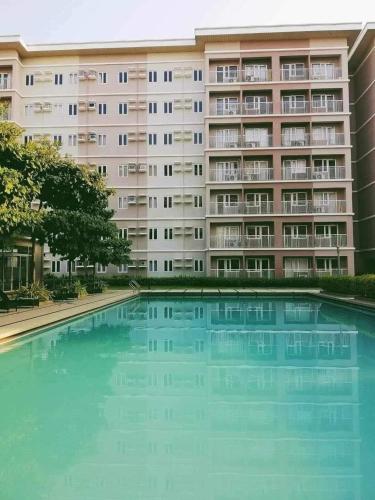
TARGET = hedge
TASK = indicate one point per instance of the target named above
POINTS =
(363, 285)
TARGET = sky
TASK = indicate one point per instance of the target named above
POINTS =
(42, 21)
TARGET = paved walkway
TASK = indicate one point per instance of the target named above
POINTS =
(24, 320)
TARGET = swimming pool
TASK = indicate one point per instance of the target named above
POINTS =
(213, 398)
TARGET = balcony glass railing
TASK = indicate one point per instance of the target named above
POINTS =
(333, 106)
(242, 241)
(310, 207)
(237, 108)
(265, 207)
(241, 174)
(313, 73)
(248, 75)
(287, 140)
(310, 241)
(243, 273)
(314, 139)
(295, 173)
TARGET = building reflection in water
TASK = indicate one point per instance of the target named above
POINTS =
(223, 400)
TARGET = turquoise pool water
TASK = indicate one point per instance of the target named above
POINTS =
(202, 399)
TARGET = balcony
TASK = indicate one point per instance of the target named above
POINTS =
(241, 174)
(310, 207)
(298, 74)
(309, 173)
(333, 106)
(219, 208)
(332, 241)
(243, 273)
(306, 241)
(240, 141)
(329, 139)
(242, 241)
(238, 108)
(247, 75)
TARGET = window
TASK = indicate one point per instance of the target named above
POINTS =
(198, 169)
(198, 138)
(28, 109)
(102, 140)
(198, 265)
(72, 140)
(168, 344)
(152, 265)
(100, 269)
(102, 170)
(123, 233)
(152, 170)
(198, 233)
(197, 75)
(122, 108)
(57, 139)
(102, 108)
(27, 138)
(122, 140)
(152, 139)
(168, 265)
(122, 170)
(56, 266)
(152, 107)
(167, 201)
(168, 107)
(152, 76)
(167, 76)
(102, 77)
(198, 106)
(152, 202)
(168, 170)
(123, 77)
(198, 201)
(58, 79)
(152, 344)
(153, 233)
(122, 268)
(58, 108)
(72, 109)
(122, 202)
(73, 78)
(168, 233)
(29, 80)
(168, 139)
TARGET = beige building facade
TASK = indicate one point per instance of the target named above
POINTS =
(230, 153)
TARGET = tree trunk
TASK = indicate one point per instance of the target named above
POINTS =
(70, 271)
(32, 260)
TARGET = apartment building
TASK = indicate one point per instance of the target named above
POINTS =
(362, 102)
(229, 154)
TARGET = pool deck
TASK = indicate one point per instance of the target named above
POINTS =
(13, 324)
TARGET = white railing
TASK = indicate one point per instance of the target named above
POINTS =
(241, 174)
(298, 241)
(243, 273)
(334, 106)
(331, 272)
(295, 107)
(335, 240)
(242, 241)
(241, 75)
(295, 173)
(262, 108)
(310, 74)
(237, 108)
(239, 141)
(310, 207)
(220, 208)
(335, 139)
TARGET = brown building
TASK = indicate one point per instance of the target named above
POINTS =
(362, 105)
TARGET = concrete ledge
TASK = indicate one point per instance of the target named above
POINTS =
(13, 324)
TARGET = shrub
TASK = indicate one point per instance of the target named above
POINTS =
(34, 291)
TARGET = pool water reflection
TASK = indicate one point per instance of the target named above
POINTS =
(219, 399)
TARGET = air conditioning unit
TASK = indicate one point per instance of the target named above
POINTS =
(132, 199)
(142, 168)
(37, 107)
(132, 168)
(91, 106)
(91, 137)
(47, 107)
(91, 74)
(82, 75)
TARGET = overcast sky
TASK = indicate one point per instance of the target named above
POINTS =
(90, 20)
